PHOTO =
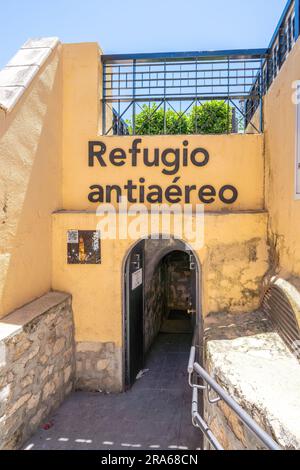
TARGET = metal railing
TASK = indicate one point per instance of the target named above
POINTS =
(285, 36)
(197, 372)
(171, 93)
(172, 90)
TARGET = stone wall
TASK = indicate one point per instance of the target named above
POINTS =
(155, 305)
(99, 367)
(253, 364)
(166, 287)
(37, 366)
(178, 282)
(233, 275)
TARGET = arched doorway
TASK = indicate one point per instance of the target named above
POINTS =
(161, 296)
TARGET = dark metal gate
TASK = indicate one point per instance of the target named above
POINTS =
(134, 327)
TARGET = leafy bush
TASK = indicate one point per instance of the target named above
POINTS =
(213, 117)
(151, 121)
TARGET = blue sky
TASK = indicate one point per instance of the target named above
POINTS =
(141, 25)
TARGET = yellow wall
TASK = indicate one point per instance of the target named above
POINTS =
(81, 109)
(231, 278)
(233, 260)
(280, 127)
(234, 160)
(231, 157)
(30, 187)
(45, 141)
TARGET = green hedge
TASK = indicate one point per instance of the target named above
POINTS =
(213, 117)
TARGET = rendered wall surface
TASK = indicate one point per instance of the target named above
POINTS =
(231, 157)
(81, 110)
(45, 140)
(234, 160)
(30, 186)
(235, 255)
(234, 260)
(280, 139)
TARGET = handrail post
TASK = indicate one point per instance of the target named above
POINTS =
(297, 19)
(104, 100)
(261, 102)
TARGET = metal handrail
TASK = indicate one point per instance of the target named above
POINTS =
(222, 395)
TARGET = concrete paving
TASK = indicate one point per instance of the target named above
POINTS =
(154, 414)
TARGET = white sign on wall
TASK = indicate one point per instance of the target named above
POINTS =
(137, 279)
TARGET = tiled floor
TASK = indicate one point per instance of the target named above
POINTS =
(154, 414)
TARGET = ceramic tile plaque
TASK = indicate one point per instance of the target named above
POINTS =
(84, 247)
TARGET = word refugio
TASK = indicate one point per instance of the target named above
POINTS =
(171, 159)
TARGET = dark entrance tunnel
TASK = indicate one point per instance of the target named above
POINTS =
(168, 298)
(161, 299)
(162, 310)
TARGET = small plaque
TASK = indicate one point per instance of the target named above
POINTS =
(137, 279)
(84, 247)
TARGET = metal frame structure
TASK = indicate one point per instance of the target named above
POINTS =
(197, 373)
(285, 36)
(179, 81)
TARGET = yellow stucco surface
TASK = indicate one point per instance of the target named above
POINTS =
(81, 109)
(280, 138)
(30, 187)
(235, 160)
(230, 277)
(45, 140)
(233, 261)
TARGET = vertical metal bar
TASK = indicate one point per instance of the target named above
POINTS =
(196, 113)
(104, 99)
(261, 97)
(165, 84)
(281, 51)
(297, 19)
(228, 93)
(119, 119)
(133, 95)
(119, 104)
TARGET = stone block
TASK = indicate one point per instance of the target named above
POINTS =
(67, 373)
(26, 381)
(102, 364)
(29, 57)
(59, 346)
(18, 404)
(48, 390)
(50, 42)
(4, 395)
(17, 76)
(46, 373)
(2, 355)
(86, 347)
(20, 347)
(9, 96)
(33, 401)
